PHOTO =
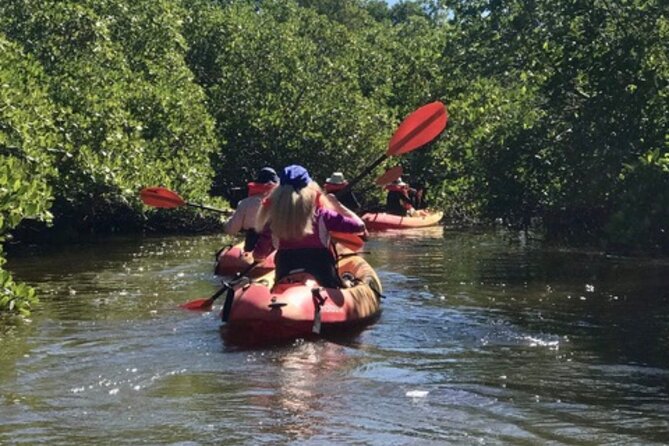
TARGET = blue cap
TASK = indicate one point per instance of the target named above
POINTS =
(267, 175)
(296, 176)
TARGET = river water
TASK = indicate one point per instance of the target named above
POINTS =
(486, 337)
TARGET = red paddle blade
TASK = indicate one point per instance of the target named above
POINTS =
(390, 176)
(198, 304)
(160, 197)
(351, 241)
(419, 128)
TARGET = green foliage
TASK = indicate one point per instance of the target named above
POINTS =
(641, 220)
(27, 136)
(577, 93)
(122, 112)
(126, 104)
(284, 87)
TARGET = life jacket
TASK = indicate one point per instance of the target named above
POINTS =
(402, 190)
(334, 187)
(259, 188)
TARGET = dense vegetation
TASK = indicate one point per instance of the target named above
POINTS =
(558, 108)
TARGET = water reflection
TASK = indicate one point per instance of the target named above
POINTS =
(298, 397)
(485, 338)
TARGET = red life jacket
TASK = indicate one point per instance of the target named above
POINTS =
(259, 188)
(397, 188)
(334, 187)
(404, 190)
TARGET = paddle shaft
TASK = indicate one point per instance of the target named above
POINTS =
(227, 285)
(362, 175)
(201, 206)
(239, 276)
(218, 293)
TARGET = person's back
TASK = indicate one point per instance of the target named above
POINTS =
(244, 217)
(397, 199)
(293, 216)
(335, 184)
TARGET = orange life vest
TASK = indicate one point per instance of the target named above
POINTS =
(259, 188)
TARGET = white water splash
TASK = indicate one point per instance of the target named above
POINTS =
(417, 393)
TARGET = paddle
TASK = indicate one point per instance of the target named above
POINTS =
(351, 241)
(417, 129)
(205, 304)
(389, 176)
(161, 197)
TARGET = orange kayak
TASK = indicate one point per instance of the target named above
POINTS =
(297, 307)
(381, 221)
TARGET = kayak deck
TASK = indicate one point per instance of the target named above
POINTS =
(297, 307)
(381, 220)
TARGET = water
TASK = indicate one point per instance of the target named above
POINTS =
(486, 338)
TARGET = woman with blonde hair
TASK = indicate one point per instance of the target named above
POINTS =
(295, 219)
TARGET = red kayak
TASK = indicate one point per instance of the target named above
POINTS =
(297, 307)
(233, 259)
(381, 221)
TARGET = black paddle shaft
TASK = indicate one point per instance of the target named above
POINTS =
(362, 175)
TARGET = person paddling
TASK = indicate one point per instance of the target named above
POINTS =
(397, 200)
(337, 182)
(295, 216)
(244, 218)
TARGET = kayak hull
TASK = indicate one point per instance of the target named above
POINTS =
(232, 260)
(297, 307)
(381, 221)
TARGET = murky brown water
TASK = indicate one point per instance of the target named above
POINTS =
(486, 338)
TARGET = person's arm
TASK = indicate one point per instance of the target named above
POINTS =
(236, 223)
(341, 218)
(244, 217)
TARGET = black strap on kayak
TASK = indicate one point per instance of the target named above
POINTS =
(227, 305)
(372, 286)
(319, 300)
(376, 292)
(240, 280)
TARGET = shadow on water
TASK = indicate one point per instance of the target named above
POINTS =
(486, 337)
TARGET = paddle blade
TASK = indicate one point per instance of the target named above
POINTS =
(419, 128)
(160, 197)
(350, 241)
(198, 304)
(390, 176)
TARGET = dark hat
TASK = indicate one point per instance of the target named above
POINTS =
(296, 176)
(267, 175)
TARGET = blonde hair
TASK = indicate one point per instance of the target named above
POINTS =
(289, 213)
